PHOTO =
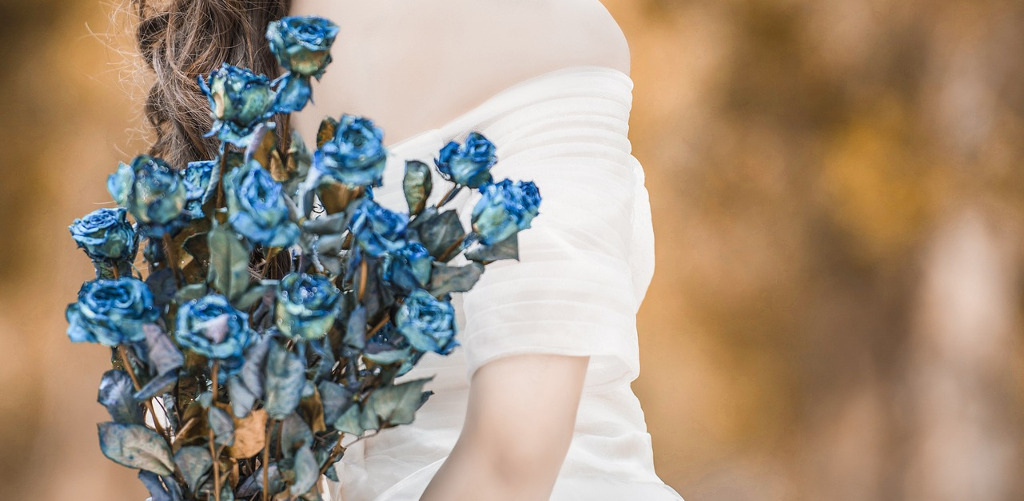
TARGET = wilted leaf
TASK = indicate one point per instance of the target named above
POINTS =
(255, 293)
(295, 433)
(250, 435)
(162, 351)
(327, 224)
(136, 446)
(247, 386)
(326, 132)
(438, 231)
(445, 279)
(336, 399)
(395, 405)
(163, 285)
(157, 386)
(355, 332)
(222, 424)
(262, 145)
(229, 262)
(505, 249)
(193, 461)
(285, 376)
(116, 395)
(312, 410)
(350, 422)
(160, 488)
(417, 185)
(307, 471)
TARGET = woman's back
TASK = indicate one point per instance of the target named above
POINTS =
(410, 66)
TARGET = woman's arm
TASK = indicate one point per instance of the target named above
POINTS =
(519, 423)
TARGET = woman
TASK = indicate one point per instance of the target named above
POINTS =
(536, 404)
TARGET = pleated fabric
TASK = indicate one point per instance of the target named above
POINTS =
(583, 270)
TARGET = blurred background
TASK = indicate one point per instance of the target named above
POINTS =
(838, 201)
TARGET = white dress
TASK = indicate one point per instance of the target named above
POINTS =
(584, 268)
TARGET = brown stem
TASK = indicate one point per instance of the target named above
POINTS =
(379, 325)
(454, 246)
(266, 263)
(220, 180)
(172, 257)
(135, 382)
(450, 192)
(362, 278)
(213, 450)
(117, 272)
(266, 459)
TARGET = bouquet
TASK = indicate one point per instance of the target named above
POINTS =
(280, 301)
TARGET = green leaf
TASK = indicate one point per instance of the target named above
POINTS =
(395, 405)
(417, 185)
(229, 262)
(445, 279)
(136, 446)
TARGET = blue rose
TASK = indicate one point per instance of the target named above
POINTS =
(504, 209)
(408, 267)
(152, 191)
(428, 323)
(377, 229)
(199, 186)
(240, 100)
(355, 155)
(211, 327)
(111, 312)
(106, 234)
(468, 164)
(256, 206)
(306, 305)
(302, 46)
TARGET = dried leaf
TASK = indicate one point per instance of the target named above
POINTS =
(136, 446)
(250, 435)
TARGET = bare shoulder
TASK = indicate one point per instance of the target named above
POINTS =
(415, 65)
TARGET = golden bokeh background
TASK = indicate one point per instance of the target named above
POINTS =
(838, 200)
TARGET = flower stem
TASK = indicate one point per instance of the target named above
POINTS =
(448, 196)
(379, 325)
(453, 247)
(172, 257)
(220, 182)
(135, 382)
(362, 278)
(213, 450)
(266, 460)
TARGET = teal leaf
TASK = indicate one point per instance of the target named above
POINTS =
(395, 405)
(160, 488)
(295, 433)
(116, 395)
(355, 331)
(193, 461)
(307, 471)
(349, 421)
(136, 446)
(222, 425)
(336, 400)
(163, 284)
(505, 249)
(438, 231)
(446, 279)
(157, 386)
(161, 350)
(285, 376)
(190, 292)
(229, 262)
(246, 387)
(328, 224)
(255, 293)
(252, 486)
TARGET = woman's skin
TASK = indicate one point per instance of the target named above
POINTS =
(414, 65)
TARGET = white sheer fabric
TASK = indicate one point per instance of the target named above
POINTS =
(584, 268)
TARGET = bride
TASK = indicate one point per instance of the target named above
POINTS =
(536, 402)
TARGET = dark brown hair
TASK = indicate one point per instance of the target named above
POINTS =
(182, 39)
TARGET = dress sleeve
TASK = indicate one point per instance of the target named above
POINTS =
(573, 289)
